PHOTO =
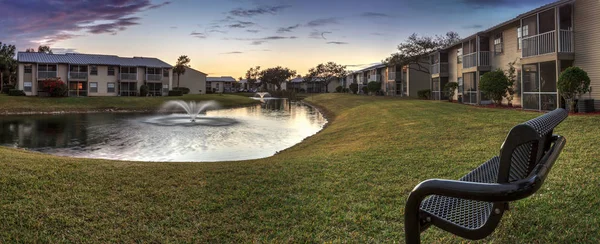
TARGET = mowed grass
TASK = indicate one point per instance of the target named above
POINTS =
(348, 183)
(10, 104)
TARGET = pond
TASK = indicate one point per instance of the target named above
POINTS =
(248, 133)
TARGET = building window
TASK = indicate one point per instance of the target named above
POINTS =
(27, 86)
(28, 69)
(165, 88)
(111, 71)
(93, 87)
(93, 70)
(166, 73)
(110, 87)
(519, 38)
(459, 55)
(498, 44)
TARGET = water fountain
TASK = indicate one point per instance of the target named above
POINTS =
(263, 94)
(192, 116)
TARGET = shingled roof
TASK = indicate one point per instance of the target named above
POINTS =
(89, 59)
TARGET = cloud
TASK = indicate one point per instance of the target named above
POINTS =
(375, 15)
(112, 28)
(318, 34)
(234, 52)
(253, 31)
(63, 50)
(198, 35)
(258, 42)
(337, 43)
(377, 34)
(278, 37)
(258, 11)
(217, 31)
(173, 27)
(475, 26)
(322, 22)
(503, 3)
(242, 24)
(27, 22)
(287, 29)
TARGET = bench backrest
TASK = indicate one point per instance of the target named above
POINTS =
(526, 144)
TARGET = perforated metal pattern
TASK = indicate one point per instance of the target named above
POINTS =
(465, 213)
(546, 123)
(519, 167)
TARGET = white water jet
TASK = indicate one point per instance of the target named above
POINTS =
(193, 109)
(263, 94)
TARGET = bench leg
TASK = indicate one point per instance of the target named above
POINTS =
(412, 229)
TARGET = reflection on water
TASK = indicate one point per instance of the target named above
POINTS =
(260, 131)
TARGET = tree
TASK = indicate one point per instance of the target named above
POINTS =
(276, 76)
(511, 74)
(41, 49)
(573, 82)
(182, 62)
(416, 49)
(326, 73)
(7, 62)
(449, 90)
(495, 84)
(252, 76)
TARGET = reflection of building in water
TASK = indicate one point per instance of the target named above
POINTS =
(44, 131)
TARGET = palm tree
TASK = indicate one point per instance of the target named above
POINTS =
(182, 62)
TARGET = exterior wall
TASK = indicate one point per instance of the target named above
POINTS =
(219, 87)
(63, 72)
(511, 53)
(417, 80)
(454, 68)
(103, 79)
(194, 80)
(334, 84)
(587, 47)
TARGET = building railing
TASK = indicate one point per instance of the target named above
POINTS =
(153, 77)
(46, 74)
(127, 76)
(439, 68)
(539, 44)
(484, 58)
(78, 75)
(469, 60)
(566, 41)
(375, 78)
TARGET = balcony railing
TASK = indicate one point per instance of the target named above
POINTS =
(46, 74)
(78, 75)
(394, 75)
(471, 60)
(566, 41)
(127, 76)
(153, 77)
(539, 44)
(439, 68)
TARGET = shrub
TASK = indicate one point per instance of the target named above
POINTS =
(144, 90)
(302, 90)
(354, 88)
(573, 82)
(449, 89)
(345, 90)
(495, 85)
(7, 88)
(55, 87)
(183, 90)
(374, 87)
(424, 94)
(174, 93)
(15, 92)
(339, 89)
(365, 89)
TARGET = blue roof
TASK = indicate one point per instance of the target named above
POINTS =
(89, 59)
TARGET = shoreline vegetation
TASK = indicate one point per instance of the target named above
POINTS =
(347, 183)
(18, 105)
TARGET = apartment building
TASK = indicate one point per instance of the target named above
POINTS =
(193, 79)
(395, 80)
(94, 75)
(542, 42)
(223, 84)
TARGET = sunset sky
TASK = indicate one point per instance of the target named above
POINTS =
(226, 37)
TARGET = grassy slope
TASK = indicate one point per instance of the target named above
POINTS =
(39, 104)
(347, 183)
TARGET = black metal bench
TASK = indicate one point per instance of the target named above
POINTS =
(472, 206)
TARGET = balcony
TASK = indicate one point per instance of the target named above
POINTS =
(545, 43)
(46, 74)
(439, 68)
(153, 77)
(128, 76)
(394, 76)
(471, 60)
(78, 75)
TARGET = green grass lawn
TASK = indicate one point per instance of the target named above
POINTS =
(10, 104)
(348, 183)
